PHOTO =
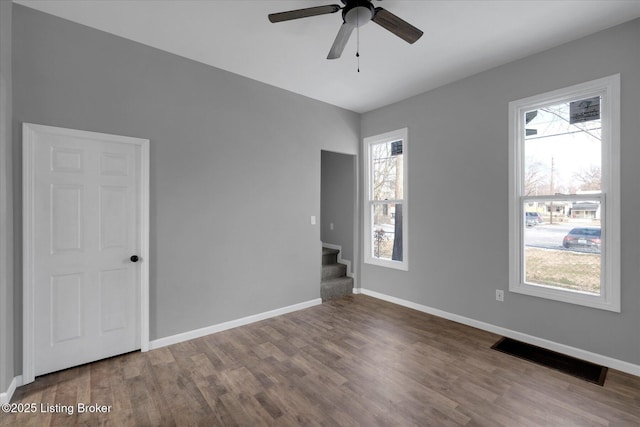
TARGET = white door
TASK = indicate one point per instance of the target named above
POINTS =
(86, 206)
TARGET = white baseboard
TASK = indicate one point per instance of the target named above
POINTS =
(5, 397)
(599, 359)
(208, 330)
(340, 259)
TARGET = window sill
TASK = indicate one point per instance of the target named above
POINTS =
(568, 296)
(396, 265)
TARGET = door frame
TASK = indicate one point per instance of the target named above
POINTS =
(29, 131)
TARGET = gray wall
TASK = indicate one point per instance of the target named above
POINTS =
(235, 165)
(338, 202)
(458, 195)
(6, 191)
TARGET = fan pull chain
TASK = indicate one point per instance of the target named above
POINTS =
(358, 40)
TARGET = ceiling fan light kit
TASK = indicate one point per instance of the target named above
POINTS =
(355, 13)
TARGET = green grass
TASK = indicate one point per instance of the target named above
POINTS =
(563, 269)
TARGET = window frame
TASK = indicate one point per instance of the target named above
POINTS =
(369, 201)
(609, 90)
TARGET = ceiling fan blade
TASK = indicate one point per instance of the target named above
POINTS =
(397, 26)
(303, 13)
(341, 41)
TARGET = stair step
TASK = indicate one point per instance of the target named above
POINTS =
(333, 271)
(333, 288)
(329, 256)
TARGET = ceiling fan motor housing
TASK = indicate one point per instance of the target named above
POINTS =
(357, 12)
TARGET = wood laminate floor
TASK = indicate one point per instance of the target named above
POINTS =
(351, 361)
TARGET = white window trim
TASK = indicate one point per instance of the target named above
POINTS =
(609, 89)
(396, 135)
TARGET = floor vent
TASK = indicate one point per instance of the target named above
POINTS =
(569, 365)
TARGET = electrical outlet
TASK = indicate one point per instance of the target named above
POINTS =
(499, 295)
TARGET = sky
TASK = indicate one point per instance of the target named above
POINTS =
(571, 148)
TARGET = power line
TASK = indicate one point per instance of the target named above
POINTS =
(564, 133)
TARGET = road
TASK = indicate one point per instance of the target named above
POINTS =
(549, 236)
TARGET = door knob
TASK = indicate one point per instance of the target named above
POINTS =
(134, 258)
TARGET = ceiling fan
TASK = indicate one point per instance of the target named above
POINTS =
(355, 13)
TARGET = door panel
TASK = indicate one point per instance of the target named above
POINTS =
(113, 164)
(66, 160)
(113, 290)
(65, 215)
(66, 303)
(114, 217)
(86, 221)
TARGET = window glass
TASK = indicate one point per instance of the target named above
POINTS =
(563, 152)
(387, 231)
(387, 169)
(562, 244)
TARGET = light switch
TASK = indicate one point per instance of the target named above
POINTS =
(330, 226)
(313, 220)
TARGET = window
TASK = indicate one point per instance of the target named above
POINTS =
(564, 195)
(385, 217)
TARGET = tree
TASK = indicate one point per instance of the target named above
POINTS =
(589, 178)
(534, 178)
(384, 173)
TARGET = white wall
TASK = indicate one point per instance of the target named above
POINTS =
(458, 200)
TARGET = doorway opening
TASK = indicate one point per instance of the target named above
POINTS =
(338, 218)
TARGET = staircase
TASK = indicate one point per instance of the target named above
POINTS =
(335, 282)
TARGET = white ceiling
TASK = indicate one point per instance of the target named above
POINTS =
(461, 38)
